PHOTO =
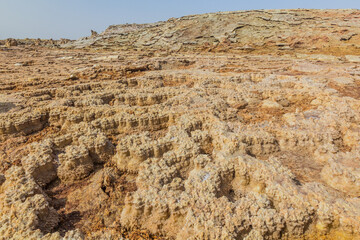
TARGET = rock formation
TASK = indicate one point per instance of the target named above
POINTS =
(262, 31)
(11, 42)
(236, 125)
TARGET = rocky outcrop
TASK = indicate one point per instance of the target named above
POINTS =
(11, 42)
(246, 31)
(24, 207)
(40, 163)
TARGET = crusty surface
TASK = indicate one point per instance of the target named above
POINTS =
(260, 31)
(235, 140)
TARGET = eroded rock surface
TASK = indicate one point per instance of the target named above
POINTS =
(320, 31)
(239, 125)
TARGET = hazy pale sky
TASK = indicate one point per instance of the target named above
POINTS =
(75, 18)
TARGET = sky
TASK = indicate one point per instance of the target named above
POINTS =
(75, 18)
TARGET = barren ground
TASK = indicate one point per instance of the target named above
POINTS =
(165, 131)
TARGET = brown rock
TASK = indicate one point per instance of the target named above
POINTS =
(11, 42)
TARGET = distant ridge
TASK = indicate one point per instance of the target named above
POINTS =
(330, 31)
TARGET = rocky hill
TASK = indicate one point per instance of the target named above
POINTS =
(334, 31)
(239, 125)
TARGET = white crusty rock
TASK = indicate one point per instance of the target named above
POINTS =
(75, 163)
(40, 163)
(24, 208)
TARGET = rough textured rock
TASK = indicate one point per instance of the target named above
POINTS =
(241, 31)
(40, 163)
(237, 125)
(11, 42)
(25, 208)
